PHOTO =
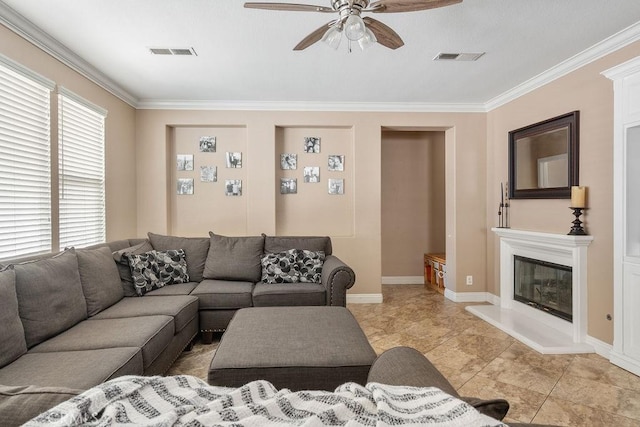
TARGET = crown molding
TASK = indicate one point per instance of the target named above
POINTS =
(36, 36)
(617, 41)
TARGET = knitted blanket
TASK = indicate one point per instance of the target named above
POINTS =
(189, 401)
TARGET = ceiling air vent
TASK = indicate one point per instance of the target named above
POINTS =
(189, 51)
(458, 56)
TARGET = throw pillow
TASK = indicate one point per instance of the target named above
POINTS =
(11, 332)
(155, 269)
(279, 268)
(49, 296)
(124, 269)
(234, 258)
(309, 265)
(99, 278)
(195, 249)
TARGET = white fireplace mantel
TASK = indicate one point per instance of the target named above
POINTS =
(542, 331)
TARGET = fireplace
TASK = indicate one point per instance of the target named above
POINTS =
(543, 285)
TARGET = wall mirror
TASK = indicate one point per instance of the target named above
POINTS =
(544, 158)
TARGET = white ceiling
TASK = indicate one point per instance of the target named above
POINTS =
(245, 55)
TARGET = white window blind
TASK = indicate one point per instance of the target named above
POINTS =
(81, 171)
(25, 153)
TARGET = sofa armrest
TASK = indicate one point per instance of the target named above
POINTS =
(337, 277)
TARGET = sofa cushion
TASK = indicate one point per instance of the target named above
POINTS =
(11, 332)
(275, 244)
(120, 257)
(195, 249)
(18, 404)
(175, 289)
(234, 258)
(288, 294)
(50, 297)
(182, 308)
(155, 269)
(74, 369)
(223, 294)
(150, 333)
(99, 278)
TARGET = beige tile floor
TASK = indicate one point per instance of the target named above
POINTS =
(480, 360)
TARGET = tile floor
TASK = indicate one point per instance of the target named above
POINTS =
(480, 360)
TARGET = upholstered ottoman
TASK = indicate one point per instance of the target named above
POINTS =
(298, 348)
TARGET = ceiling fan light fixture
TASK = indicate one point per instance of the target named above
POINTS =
(333, 36)
(368, 40)
(354, 27)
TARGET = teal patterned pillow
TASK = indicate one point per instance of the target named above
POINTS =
(155, 269)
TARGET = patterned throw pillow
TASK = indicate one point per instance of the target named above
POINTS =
(292, 266)
(155, 269)
(309, 265)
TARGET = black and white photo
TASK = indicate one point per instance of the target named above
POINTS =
(185, 162)
(336, 163)
(233, 187)
(234, 159)
(185, 186)
(208, 173)
(311, 144)
(311, 174)
(208, 144)
(336, 186)
(288, 186)
(288, 161)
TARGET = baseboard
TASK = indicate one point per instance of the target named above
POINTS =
(364, 298)
(469, 296)
(602, 348)
(403, 280)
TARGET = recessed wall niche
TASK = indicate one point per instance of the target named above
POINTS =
(208, 208)
(311, 210)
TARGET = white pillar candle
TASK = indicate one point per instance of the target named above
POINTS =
(578, 197)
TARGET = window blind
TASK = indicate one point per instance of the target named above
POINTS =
(81, 172)
(25, 171)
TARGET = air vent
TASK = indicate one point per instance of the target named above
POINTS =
(189, 51)
(458, 56)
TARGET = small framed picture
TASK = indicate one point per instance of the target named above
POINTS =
(288, 186)
(185, 186)
(233, 187)
(208, 173)
(311, 174)
(311, 144)
(336, 186)
(336, 163)
(208, 144)
(185, 162)
(234, 160)
(288, 161)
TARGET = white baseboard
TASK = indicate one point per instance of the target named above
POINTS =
(602, 348)
(403, 280)
(364, 298)
(470, 296)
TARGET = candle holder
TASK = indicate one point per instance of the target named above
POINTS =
(577, 229)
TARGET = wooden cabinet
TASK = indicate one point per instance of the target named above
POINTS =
(435, 269)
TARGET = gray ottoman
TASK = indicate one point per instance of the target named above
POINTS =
(299, 348)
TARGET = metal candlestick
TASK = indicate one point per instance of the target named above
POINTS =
(577, 229)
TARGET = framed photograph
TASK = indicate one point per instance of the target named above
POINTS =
(311, 174)
(234, 160)
(311, 144)
(336, 186)
(233, 187)
(208, 173)
(185, 162)
(336, 163)
(185, 186)
(207, 144)
(288, 161)
(288, 186)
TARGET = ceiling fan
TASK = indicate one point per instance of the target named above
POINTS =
(365, 31)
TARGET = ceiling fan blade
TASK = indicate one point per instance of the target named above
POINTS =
(289, 7)
(395, 6)
(384, 34)
(312, 38)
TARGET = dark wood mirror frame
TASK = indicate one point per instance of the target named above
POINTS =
(567, 123)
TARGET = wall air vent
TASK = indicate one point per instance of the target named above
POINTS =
(458, 56)
(189, 51)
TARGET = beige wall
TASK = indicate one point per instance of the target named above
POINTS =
(361, 135)
(120, 130)
(413, 200)
(591, 93)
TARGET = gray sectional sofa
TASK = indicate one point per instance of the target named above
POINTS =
(73, 320)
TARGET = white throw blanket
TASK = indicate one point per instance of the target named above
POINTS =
(188, 401)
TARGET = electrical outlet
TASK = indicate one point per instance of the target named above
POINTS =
(469, 280)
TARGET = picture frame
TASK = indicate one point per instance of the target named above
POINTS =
(233, 160)
(311, 144)
(207, 144)
(336, 186)
(184, 162)
(335, 163)
(184, 186)
(288, 186)
(233, 187)
(311, 174)
(288, 161)
(208, 173)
